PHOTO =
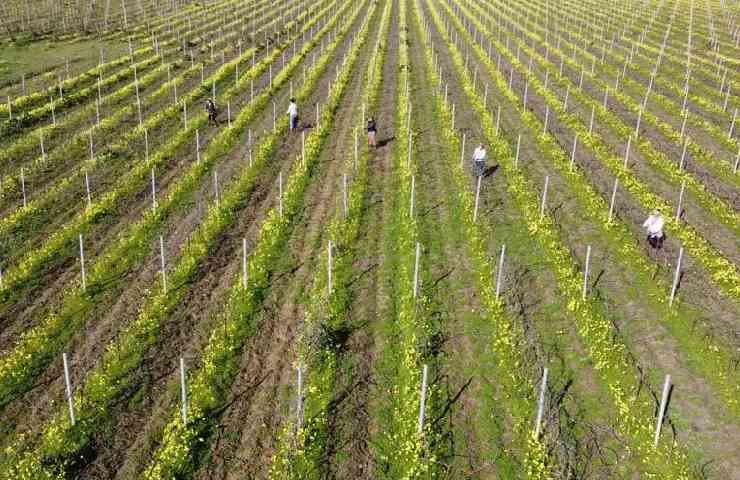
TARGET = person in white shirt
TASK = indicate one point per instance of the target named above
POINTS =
(479, 159)
(654, 228)
(293, 114)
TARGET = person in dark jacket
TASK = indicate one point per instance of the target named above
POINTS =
(372, 129)
(211, 111)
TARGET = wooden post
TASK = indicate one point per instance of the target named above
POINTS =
(23, 187)
(499, 273)
(732, 126)
(541, 404)
(485, 97)
(357, 151)
(585, 272)
(154, 193)
(573, 152)
(591, 122)
(92, 151)
(344, 195)
(409, 150)
(87, 188)
(68, 389)
(477, 199)
(53, 113)
(683, 123)
(197, 146)
(737, 158)
(422, 399)
(544, 197)
(611, 203)
(245, 274)
(413, 193)
(216, 194)
(162, 264)
(183, 393)
(683, 155)
(280, 193)
(547, 118)
(299, 400)
(303, 148)
(567, 95)
(637, 125)
(676, 277)
(329, 268)
(185, 113)
(146, 145)
(274, 116)
(228, 112)
(661, 411)
(627, 151)
(680, 201)
(416, 270)
(82, 265)
(462, 150)
(518, 145)
(498, 118)
(452, 124)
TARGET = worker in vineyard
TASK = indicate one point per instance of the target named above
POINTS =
(293, 114)
(211, 111)
(372, 129)
(654, 228)
(479, 160)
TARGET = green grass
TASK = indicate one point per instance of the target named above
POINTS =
(24, 55)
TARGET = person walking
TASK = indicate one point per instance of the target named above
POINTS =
(293, 114)
(372, 129)
(654, 228)
(479, 160)
(211, 111)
